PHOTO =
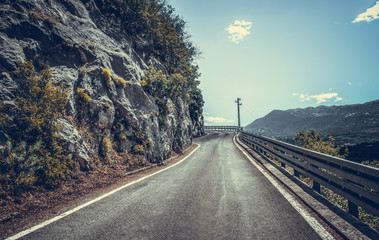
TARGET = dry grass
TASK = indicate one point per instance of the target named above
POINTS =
(120, 82)
(83, 69)
(43, 16)
(36, 199)
(90, 46)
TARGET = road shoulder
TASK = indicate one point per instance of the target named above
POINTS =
(330, 221)
(41, 217)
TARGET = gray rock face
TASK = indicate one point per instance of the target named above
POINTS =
(198, 127)
(76, 40)
(75, 144)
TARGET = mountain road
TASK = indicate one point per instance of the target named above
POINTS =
(216, 193)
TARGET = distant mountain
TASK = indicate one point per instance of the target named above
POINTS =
(348, 123)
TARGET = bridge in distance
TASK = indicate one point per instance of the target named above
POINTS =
(223, 128)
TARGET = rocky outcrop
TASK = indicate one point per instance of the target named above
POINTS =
(77, 40)
(75, 144)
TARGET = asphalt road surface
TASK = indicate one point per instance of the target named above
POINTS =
(214, 194)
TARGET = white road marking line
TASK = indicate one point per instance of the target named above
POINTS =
(41, 225)
(319, 229)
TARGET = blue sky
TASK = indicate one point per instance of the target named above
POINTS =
(277, 54)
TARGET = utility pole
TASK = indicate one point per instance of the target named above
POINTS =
(238, 108)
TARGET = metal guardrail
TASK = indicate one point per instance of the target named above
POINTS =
(223, 128)
(358, 183)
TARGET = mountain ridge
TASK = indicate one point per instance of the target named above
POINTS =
(355, 123)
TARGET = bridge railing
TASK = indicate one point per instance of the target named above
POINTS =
(223, 128)
(358, 183)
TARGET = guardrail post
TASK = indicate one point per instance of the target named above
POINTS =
(353, 209)
(316, 187)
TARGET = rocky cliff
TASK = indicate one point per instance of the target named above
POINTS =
(86, 43)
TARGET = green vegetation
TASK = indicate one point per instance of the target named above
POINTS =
(139, 149)
(143, 142)
(34, 155)
(157, 20)
(18, 164)
(120, 82)
(156, 83)
(162, 86)
(83, 96)
(196, 104)
(120, 123)
(313, 141)
(107, 105)
(107, 76)
(121, 136)
(172, 46)
(121, 126)
(143, 83)
(107, 148)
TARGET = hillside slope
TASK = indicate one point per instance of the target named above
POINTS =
(99, 50)
(348, 123)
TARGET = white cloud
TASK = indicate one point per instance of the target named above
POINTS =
(370, 15)
(320, 98)
(324, 97)
(218, 120)
(330, 89)
(295, 94)
(303, 98)
(239, 30)
(350, 83)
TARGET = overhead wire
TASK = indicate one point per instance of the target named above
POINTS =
(248, 109)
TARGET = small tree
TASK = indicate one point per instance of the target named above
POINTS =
(313, 141)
